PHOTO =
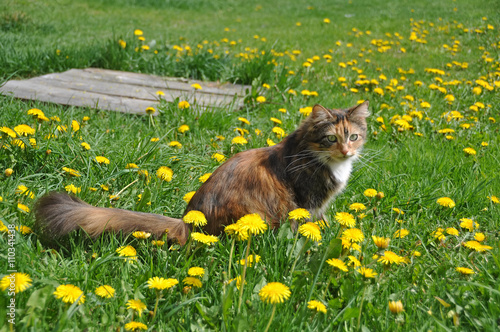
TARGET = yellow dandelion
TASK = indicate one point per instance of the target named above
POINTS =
(105, 291)
(183, 105)
(475, 245)
(161, 283)
(469, 224)
(69, 294)
(357, 207)
(299, 214)
(196, 271)
(71, 188)
(192, 281)
(480, 237)
(239, 140)
(367, 272)
(353, 235)
(196, 218)
(244, 120)
(175, 144)
(237, 230)
(188, 196)
(129, 252)
(345, 219)
(381, 242)
(401, 233)
(196, 86)
(250, 261)
(261, 99)
(17, 282)
(165, 173)
(85, 146)
(337, 263)
(134, 326)
(71, 171)
(219, 157)
(494, 199)
(280, 133)
(150, 110)
(204, 177)
(316, 305)
(253, 224)
(5, 131)
(396, 307)
(141, 235)
(102, 160)
(353, 261)
(136, 305)
(452, 231)
(311, 231)
(23, 229)
(274, 292)
(446, 202)
(23, 207)
(390, 257)
(204, 238)
(464, 270)
(24, 130)
(183, 128)
(370, 193)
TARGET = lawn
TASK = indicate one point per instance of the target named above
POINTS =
(424, 251)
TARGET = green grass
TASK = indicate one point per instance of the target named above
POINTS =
(412, 168)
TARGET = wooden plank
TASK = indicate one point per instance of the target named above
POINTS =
(35, 91)
(122, 91)
(171, 83)
(131, 91)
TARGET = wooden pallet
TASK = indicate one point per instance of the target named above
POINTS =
(122, 91)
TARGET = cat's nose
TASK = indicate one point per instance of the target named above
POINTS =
(344, 152)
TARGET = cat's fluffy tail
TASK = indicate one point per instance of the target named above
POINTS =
(57, 214)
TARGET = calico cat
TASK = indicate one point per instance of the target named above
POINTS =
(306, 170)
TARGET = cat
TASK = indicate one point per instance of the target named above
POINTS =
(307, 169)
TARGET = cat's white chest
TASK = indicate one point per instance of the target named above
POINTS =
(341, 171)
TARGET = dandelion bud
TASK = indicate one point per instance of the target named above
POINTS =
(396, 307)
(380, 195)
(8, 172)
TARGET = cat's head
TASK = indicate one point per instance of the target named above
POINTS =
(336, 134)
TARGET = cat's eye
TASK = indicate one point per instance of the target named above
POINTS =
(353, 137)
(331, 138)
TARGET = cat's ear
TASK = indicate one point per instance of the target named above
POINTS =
(359, 111)
(320, 113)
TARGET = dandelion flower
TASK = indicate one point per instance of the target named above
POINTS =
(452, 231)
(182, 129)
(134, 326)
(102, 160)
(396, 307)
(204, 177)
(71, 188)
(366, 272)
(244, 120)
(23, 207)
(401, 233)
(261, 99)
(370, 193)
(274, 292)
(311, 231)
(280, 133)
(381, 242)
(105, 291)
(23, 130)
(196, 218)
(204, 238)
(165, 173)
(251, 260)
(253, 223)
(219, 157)
(71, 171)
(85, 146)
(136, 305)
(24, 229)
(479, 237)
(16, 281)
(390, 257)
(357, 207)
(188, 196)
(183, 105)
(494, 199)
(192, 281)
(468, 224)
(446, 202)
(354, 261)
(353, 235)
(141, 235)
(475, 245)
(337, 263)
(470, 151)
(129, 252)
(345, 219)
(239, 231)
(196, 271)
(316, 305)
(299, 214)
(239, 140)
(175, 144)
(464, 270)
(69, 294)
(161, 283)
(196, 86)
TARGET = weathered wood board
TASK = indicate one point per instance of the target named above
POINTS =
(122, 91)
